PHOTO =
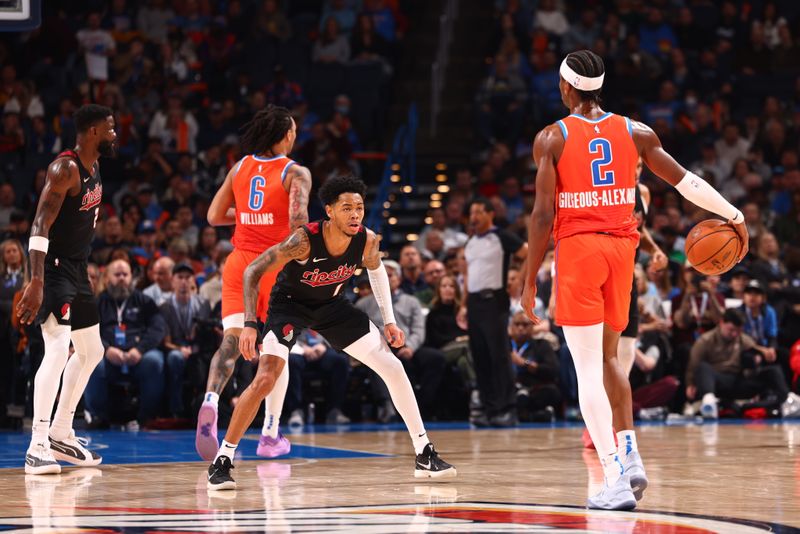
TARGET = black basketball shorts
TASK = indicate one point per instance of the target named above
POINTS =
(67, 294)
(632, 330)
(338, 321)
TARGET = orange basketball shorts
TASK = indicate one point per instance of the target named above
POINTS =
(233, 289)
(593, 278)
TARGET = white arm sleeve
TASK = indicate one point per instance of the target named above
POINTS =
(697, 190)
(379, 281)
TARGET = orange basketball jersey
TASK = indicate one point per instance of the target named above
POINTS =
(596, 184)
(262, 204)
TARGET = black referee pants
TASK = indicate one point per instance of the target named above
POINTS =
(487, 318)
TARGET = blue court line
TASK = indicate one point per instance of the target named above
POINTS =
(168, 446)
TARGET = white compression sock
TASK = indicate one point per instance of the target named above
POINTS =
(45, 388)
(586, 346)
(88, 353)
(626, 440)
(626, 353)
(273, 404)
(372, 351)
(227, 449)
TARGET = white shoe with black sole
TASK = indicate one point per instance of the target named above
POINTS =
(73, 450)
(429, 465)
(39, 460)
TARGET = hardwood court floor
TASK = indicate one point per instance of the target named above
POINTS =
(718, 478)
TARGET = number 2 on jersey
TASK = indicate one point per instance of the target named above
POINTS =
(601, 147)
(255, 200)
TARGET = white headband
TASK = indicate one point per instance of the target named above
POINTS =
(579, 82)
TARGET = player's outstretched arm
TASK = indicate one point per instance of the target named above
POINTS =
(62, 175)
(299, 178)
(379, 282)
(688, 184)
(221, 211)
(547, 148)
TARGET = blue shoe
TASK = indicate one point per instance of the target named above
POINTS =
(634, 468)
(616, 497)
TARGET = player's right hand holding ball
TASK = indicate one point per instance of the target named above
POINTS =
(744, 237)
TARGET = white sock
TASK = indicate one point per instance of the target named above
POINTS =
(45, 386)
(372, 351)
(420, 442)
(626, 440)
(88, 353)
(585, 343)
(212, 397)
(227, 449)
(273, 404)
(612, 468)
(626, 353)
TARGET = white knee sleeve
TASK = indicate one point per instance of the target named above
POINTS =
(626, 353)
(89, 345)
(586, 346)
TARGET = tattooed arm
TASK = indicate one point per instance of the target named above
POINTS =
(298, 181)
(294, 247)
(62, 177)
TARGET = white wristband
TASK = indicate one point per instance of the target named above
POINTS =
(700, 192)
(37, 242)
(379, 281)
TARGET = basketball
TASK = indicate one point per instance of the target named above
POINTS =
(712, 246)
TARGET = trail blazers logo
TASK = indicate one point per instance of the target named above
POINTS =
(288, 332)
(65, 312)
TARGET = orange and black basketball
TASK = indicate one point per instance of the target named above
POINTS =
(712, 246)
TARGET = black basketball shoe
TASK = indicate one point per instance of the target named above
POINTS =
(73, 450)
(429, 465)
(219, 475)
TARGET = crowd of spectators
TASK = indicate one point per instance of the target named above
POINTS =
(719, 83)
(181, 76)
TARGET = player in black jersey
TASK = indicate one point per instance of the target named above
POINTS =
(59, 295)
(317, 260)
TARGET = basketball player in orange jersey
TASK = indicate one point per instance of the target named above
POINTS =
(585, 194)
(266, 196)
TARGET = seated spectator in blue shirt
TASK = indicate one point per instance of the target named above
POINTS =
(536, 366)
(412, 280)
(344, 11)
(132, 329)
(655, 35)
(382, 17)
(182, 311)
(761, 321)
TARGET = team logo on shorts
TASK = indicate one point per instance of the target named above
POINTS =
(288, 332)
(65, 312)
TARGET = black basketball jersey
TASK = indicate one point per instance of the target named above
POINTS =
(321, 277)
(72, 232)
